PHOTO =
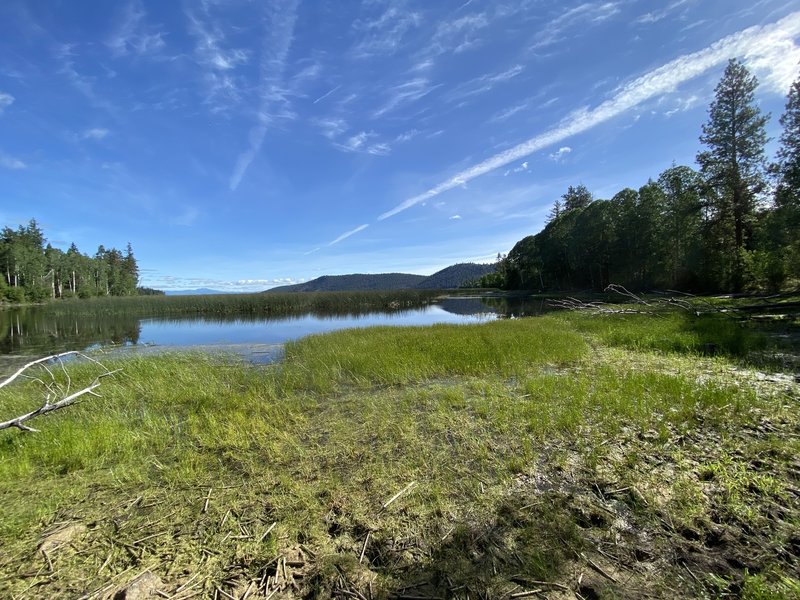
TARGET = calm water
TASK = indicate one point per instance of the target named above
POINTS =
(39, 331)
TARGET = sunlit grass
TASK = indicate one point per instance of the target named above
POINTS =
(261, 304)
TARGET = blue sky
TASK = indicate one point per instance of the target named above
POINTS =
(244, 144)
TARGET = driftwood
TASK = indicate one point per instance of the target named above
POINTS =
(53, 389)
(670, 298)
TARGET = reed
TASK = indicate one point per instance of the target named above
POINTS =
(261, 304)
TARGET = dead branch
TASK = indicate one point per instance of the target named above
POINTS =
(53, 389)
(34, 363)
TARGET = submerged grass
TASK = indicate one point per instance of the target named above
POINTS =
(525, 450)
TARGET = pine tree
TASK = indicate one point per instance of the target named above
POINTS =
(788, 166)
(785, 220)
(734, 164)
(575, 198)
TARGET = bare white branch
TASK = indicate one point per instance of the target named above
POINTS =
(53, 389)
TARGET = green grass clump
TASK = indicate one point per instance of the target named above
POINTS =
(672, 331)
(393, 356)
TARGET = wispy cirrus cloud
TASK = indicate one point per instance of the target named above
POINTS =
(133, 35)
(683, 104)
(6, 100)
(347, 234)
(360, 142)
(383, 34)
(459, 34)
(484, 83)
(331, 127)
(218, 61)
(95, 133)
(586, 13)
(67, 56)
(405, 93)
(272, 92)
(657, 15)
(756, 43)
(9, 162)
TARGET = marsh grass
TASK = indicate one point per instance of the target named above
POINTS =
(260, 304)
(497, 424)
(672, 331)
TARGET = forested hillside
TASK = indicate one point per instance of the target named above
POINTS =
(451, 277)
(34, 271)
(355, 282)
(731, 226)
(456, 276)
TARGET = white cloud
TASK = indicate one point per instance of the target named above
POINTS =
(210, 49)
(508, 112)
(134, 35)
(484, 83)
(97, 133)
(405, 93)
(560, 153)
(273, 99)
(360, 143)
(458, 35)
(384, 34)
(331, 128)
(407, 135)
(9, 162)
(657, 15)
(587, 12)
(754, 43)
(379, 149)
(520, 169)
(347, 234)
(455, 218)
(683, 104)
(6, 100)
(356, 142)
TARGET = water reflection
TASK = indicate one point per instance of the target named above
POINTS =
(35, 330)
(40, 330)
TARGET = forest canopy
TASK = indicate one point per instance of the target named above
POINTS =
(731, 226)
(35, 271)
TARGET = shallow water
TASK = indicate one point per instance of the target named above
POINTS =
(39, 331)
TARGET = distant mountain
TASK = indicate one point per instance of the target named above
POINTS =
(455, 276)
(359, 282)
(196, 292)
(448, 278)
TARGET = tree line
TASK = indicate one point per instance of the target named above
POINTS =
(733, 225)
(35, 271)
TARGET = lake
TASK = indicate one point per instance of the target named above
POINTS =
(36, 331)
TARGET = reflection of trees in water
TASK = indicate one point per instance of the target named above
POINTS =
(503, 306)
(45, 330)
(37, 331)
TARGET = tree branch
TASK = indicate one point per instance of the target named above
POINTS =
(48, 406)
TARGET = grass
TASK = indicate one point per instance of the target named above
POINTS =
(525, 448)
(262, 304)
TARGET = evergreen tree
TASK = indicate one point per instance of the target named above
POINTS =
(681, 220)
(734, 164)
(575, 198)
(555, 212)
(783, 224)
(788, 165)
